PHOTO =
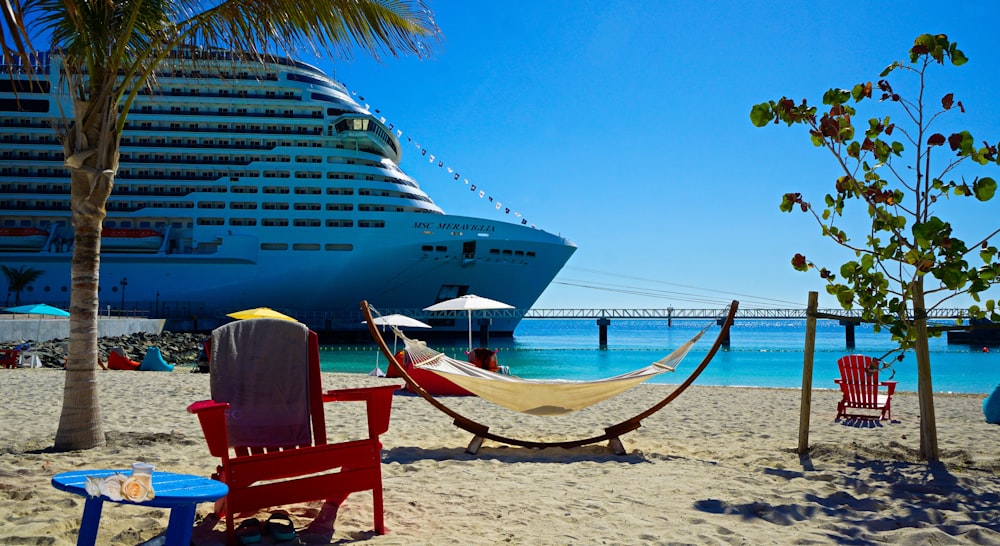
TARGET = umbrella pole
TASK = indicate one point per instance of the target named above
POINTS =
(470, 330)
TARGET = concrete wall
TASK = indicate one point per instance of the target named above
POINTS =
(14, 329)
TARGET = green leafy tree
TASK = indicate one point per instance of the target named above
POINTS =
(109, 52)
(908, 255)
(19, 278)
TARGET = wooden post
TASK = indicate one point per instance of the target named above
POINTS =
(807, 374)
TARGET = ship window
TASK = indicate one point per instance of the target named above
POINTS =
(507, 252)
(340, 223)
(340, 191)
(274, 246)
(531, 254)
(519, 253)
(305, 246)
(427, 248)
(339, 247)
(441, 248)
(371, 224)
(494, 251)
(274, 222)
(210, 222)
(307, 222)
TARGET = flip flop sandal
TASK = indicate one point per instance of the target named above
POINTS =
(249, 531)
(280, 526)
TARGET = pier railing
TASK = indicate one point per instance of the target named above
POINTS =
(668, 313)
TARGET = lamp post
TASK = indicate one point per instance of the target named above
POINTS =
(670, 316)
(124, 283)
(156, 306)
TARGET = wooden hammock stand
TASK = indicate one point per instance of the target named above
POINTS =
(612, 433)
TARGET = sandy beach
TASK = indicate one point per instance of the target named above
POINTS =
(717, 466)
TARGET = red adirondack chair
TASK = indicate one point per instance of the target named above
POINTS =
(263, 428)
(9, 358)
(860, 386)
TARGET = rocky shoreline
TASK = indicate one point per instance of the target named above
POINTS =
(178, 348)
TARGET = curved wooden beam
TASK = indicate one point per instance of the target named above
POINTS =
(611, 434)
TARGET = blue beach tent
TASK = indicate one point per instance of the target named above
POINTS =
(991, 407)
(154, 362)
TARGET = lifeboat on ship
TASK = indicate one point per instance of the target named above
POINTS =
(22, 238)
(130, 240)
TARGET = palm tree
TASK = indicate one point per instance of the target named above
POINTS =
(19, 279)
(109, 51)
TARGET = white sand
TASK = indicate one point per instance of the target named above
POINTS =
(717, 466)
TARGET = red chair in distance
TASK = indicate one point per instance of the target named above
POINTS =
(859, 385)
(266, 423)
(9, 358)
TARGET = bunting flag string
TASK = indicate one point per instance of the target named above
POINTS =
(424, 152)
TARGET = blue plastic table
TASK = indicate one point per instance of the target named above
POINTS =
(178, 492)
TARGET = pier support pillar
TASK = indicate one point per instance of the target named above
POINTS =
(848, 332)
(725, 340)
(484, 332)
(602, 324)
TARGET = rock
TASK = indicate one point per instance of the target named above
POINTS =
(178, 348)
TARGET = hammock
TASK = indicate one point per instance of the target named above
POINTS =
(536, 397)
(611, 433)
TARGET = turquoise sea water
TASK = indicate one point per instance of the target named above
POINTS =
(762, 353)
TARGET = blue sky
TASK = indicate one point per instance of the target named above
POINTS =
(624, 126)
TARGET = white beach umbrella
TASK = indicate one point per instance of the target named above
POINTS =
(399, 321)
(468, 303)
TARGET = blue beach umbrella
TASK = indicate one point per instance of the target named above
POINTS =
(38, 309)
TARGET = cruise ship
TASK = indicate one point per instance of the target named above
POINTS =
(253, 184)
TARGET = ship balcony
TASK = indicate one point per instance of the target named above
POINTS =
(249, 129)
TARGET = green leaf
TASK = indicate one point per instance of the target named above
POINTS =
(885, 72)
(988, 254)
(761, 114)
(836, 96)
(984, 188)
(957, 57)
(787, 202)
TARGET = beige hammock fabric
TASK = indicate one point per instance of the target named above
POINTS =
(536, 397)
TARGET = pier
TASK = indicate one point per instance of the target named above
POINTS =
(604, 317)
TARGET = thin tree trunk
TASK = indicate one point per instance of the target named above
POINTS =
(925, 390)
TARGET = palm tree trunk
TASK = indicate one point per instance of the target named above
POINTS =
(80, 424)
(925, 390)
(92, 154)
